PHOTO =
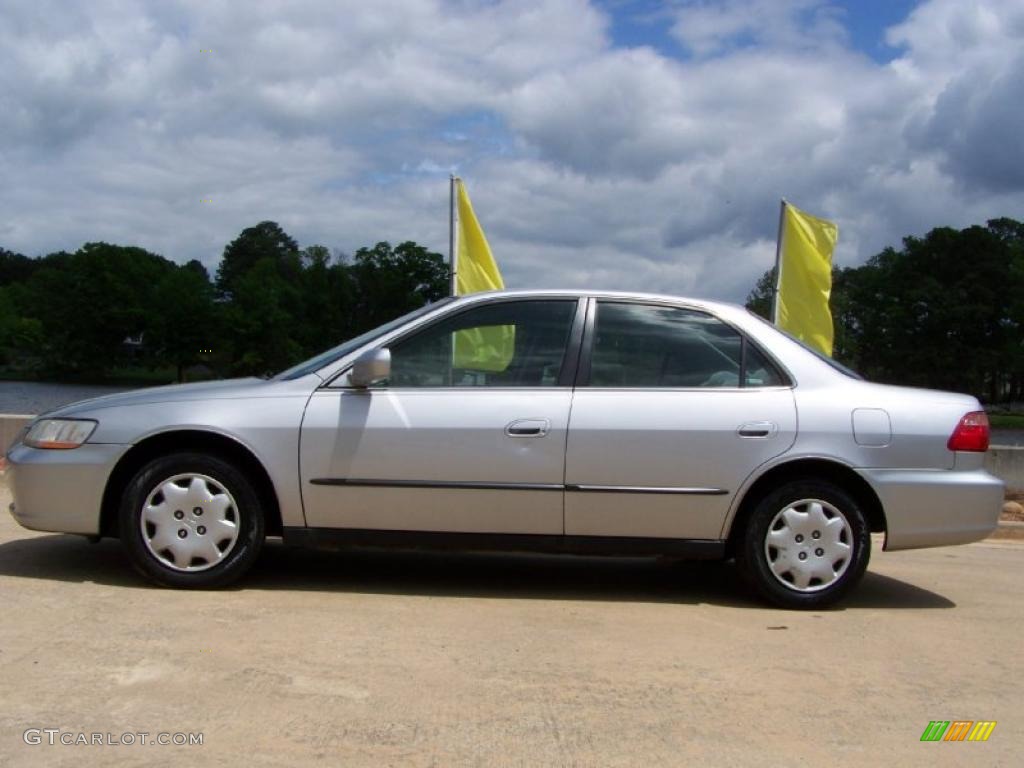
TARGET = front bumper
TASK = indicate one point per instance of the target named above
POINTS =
(934, 508)
(60, 491)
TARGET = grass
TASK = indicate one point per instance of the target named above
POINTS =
(1006, 420)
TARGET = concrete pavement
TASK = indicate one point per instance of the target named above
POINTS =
(419, 660)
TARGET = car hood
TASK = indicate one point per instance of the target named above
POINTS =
(206, 390)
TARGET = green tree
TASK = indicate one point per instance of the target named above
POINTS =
(8, 322)
(264, 328)
(938, 312)
(265, 241)
(15, 268)
(89, 302)
(328, 294)
(944, 311)
(260, 280)
(1011, 234)
(759, 300)
(20, 336)
(392, 281)
(271, 304)
(186, 330)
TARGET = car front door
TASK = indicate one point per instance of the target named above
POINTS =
(674, 411)
(466, 435)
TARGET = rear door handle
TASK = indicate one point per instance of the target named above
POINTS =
(754, 429)
(528, 428)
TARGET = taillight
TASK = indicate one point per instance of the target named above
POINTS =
(971, 434)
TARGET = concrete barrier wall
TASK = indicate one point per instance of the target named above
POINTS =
(1007, 463)
(10, 425)
(1004, 461)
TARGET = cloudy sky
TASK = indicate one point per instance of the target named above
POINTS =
(605, 143)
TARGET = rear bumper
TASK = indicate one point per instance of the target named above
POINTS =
(60, 491)
(935, 508)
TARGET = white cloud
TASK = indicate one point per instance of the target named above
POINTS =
(588, 164)
(710, 27)
(967, 62)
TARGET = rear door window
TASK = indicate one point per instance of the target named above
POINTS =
(645, 345)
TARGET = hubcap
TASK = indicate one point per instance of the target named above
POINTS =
(189, 522)
(809, 545)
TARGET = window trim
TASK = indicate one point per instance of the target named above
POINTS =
(785, 377)
(586, 354)
(570, 360)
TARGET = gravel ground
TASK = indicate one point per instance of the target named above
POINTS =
(438, 660)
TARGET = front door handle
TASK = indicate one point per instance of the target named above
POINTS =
(528, 428)
(760, 429)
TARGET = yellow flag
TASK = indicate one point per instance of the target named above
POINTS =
(805, 277)
(487, 348)
(475, 268)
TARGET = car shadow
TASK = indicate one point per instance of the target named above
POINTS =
(445, 574)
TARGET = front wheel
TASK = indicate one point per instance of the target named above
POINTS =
(191, 520)
(806, 545)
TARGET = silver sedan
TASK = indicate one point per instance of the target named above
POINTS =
(577, 422)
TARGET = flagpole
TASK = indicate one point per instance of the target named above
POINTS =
(778, 263)
(452, 266)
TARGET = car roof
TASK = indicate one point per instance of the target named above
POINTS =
(602, 294)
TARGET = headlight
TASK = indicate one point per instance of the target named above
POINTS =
(59, 433)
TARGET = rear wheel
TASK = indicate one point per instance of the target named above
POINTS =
(191, 520)
(805, 545)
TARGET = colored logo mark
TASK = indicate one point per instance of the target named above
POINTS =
(958, 730)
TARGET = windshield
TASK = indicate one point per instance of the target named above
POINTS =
(817, 353)
(336, 353)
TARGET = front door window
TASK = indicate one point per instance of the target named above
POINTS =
(504, 344)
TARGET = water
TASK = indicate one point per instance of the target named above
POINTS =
(33, 397)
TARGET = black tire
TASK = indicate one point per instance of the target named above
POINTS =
(228, 498)
(775, 572)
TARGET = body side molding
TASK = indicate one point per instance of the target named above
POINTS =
(487, 486)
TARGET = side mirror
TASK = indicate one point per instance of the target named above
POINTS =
(370, 367)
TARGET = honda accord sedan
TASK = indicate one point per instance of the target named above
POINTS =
(556, 421)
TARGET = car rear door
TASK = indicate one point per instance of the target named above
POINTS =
(673, 411)
(467, 435)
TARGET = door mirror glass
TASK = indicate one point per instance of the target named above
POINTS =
(370, 367)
